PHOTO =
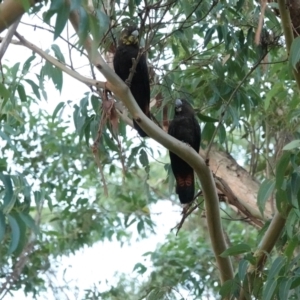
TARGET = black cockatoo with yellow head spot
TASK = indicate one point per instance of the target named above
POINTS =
(128, 49)
(185, 128)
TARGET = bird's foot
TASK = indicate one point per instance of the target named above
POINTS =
(128, 82)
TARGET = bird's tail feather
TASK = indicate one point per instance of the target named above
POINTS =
(185, 188)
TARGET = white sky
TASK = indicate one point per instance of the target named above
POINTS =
(104, 259)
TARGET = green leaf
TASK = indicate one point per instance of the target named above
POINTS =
(6, 138)
(280, 169)
(131, 5)
(295, 53)
(8, 188)
(269, 290)
(264, 193)
(59, 106)
(95, 103)
(242, 271)
(208, 132)
(295, 283)
(289, 250)
(58, 54)
(35, 88)
(27, 64)
(57, 78)
(141, 269)
(61, 19)
(228, 288)
(222, 134)
(292, 145)
(236, 249)
(207, 118)
(21, 92)
(208, 36)
(143, 157)
(28, 220)
(2, 226)
(23, 237)
(140, 227)
(277, 265)
(284, 288)
(15, 234)
(4, 92)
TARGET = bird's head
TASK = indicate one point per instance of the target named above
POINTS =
(182, 107)
(130, 36)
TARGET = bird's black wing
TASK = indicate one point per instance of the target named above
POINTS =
(183, 172)
(140, 86)
(197, 135)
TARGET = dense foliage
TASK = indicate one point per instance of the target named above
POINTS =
(69, 180)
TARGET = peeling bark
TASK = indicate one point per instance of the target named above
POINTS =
(241, 183)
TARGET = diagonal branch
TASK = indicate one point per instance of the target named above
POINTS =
(7, 39)
(122, 91)
(89, 82)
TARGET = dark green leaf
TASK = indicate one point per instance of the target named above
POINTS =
(208, 132)
(141, 269)
(265, 191)
(207, 118)
(59, 106)
(280, 169)
(222, 134)
(2, 226)
(235, 250)
(295, 52)
(35, 88)
(4, 93)
(284, 288)
(269, 289)
(8, 188)
(61, 19)
(15, 234)
(292, 145)
(227, 288)
(243, 265)
(22, 93)
(27, 64)
(208, 36)
(28, 220)
(58, 53)
(277, 265)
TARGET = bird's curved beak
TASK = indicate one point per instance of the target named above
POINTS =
(178, 105)
(135, 33)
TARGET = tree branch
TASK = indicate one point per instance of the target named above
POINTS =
(10, 11)
(89, 82)
(7, 39)
(288, 32)
(122, 91)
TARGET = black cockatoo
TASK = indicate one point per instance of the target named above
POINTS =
(140, 88)
(185, 128)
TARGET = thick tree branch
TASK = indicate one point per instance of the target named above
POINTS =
(7, 39)
(10, 11)
(244, 187)
(288, 32)
(270, 238)
(61, 66)
(122, 91)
